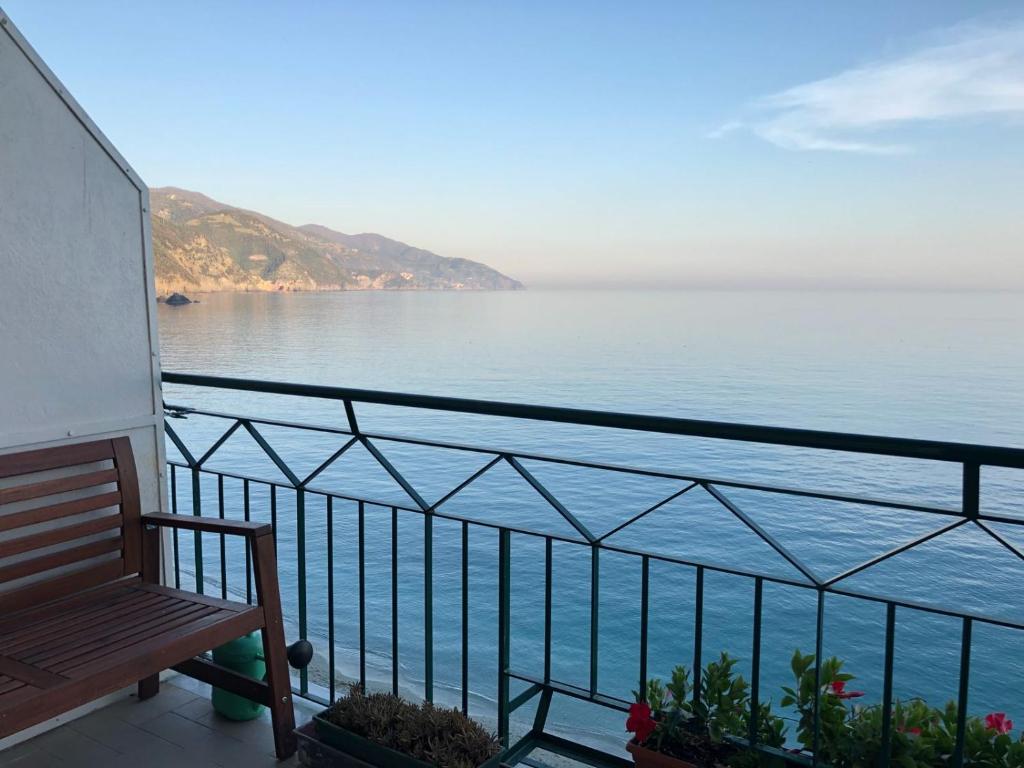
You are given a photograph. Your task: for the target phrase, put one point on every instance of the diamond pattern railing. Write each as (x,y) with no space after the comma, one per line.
(970,457)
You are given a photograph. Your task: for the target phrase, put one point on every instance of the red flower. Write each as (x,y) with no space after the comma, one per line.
(998,722)
(640,721)
(839,689)
(915,731)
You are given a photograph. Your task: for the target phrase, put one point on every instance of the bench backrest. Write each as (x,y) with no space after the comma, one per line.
(69,520)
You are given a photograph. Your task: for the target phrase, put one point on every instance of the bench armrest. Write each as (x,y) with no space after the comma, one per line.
(208,524)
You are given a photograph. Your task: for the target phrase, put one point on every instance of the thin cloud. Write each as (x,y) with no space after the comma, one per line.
(970,71)
(725,128)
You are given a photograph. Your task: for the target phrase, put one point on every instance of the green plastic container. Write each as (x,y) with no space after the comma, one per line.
(245,656)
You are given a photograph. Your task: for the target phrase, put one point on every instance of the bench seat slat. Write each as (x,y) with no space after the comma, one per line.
(140,634)
(59,635)
(44,619)
(113,638)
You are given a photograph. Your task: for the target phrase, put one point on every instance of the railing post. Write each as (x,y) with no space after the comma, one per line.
(971,489)
(819,631)
(174,536)
(273,515)
(394,600)
(465,617)
(223,543)
(246,514)
(645,574)
(965,685)
(300,545)
(504,608)
(890,644)
(362,595)
(548,558)
(428,606)
(755,663)
(197,510)
(332,683)
(698,631)
(595,606)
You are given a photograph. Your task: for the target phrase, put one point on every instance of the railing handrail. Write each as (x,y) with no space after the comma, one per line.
(934,450)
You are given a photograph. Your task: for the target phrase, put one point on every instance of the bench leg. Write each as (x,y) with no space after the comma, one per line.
(282,714)
(149,687)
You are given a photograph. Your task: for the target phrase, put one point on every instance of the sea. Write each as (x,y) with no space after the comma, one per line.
(946,366)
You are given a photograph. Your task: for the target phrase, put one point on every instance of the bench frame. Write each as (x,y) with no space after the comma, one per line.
(139,561)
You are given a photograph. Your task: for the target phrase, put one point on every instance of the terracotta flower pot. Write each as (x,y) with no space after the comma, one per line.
(649,758)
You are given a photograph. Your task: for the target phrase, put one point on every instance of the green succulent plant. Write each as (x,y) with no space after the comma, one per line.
(436,735)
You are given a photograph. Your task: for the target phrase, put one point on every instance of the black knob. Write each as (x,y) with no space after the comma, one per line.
(300,653)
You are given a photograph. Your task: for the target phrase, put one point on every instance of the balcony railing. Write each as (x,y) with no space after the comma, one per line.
(376,524)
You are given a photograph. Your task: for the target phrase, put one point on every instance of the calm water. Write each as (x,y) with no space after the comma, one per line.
(943,366)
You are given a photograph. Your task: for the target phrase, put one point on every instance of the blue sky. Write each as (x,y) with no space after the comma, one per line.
(807,144)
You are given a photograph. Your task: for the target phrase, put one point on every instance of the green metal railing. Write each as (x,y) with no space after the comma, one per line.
(970,458)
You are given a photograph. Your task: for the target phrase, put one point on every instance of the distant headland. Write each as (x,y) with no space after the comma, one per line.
(202,245)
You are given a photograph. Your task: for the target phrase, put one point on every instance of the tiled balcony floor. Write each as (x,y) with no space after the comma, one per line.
(178,727)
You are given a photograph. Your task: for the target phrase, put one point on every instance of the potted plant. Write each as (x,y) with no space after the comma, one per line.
(673,729)
(381,729)
(921,736)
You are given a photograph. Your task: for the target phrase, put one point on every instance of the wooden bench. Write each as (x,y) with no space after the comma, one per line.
(82,611)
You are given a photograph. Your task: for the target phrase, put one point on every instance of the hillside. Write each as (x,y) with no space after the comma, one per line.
(200,244)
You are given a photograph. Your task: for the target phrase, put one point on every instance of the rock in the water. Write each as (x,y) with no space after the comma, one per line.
(177,299)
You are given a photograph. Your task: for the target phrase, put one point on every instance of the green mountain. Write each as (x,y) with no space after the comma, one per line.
(200,244)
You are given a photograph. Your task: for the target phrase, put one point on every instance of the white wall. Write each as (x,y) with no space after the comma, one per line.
(79,356)
(78,345)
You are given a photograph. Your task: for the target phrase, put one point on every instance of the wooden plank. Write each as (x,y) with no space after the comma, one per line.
(26,462)
(53,631)
(190,632)
(117,644)
(57,511)
(131,509)
(216,602)
(58,535)
(216,675)
(16,623)
(57,485)
(40,678)
(8,688)
(70,632)
(44,591)
(57,559)
(107,635)
(208,524)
